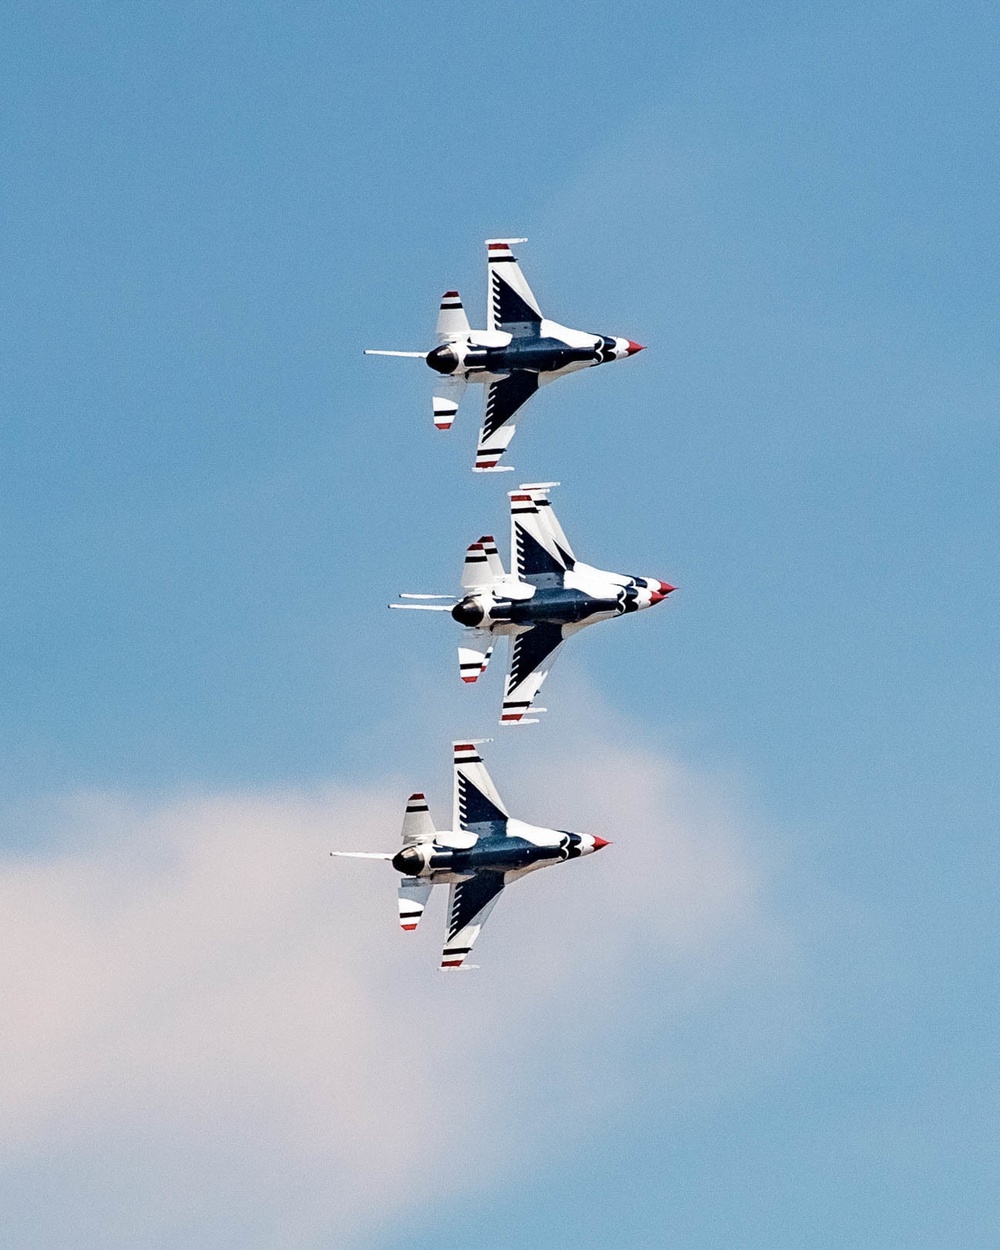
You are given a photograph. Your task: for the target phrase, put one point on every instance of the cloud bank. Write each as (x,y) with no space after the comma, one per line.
(215,1035)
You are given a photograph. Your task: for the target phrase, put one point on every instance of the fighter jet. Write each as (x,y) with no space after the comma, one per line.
(484,851)
(547,597)
(519,351)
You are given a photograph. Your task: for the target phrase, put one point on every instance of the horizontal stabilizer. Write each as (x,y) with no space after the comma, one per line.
(417,823)
(446,403)
(413,896)
(472,663)
(452,322)
(445,411)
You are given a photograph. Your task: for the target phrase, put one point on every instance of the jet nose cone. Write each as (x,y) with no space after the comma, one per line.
(665,589)
(599,842)
(633,348)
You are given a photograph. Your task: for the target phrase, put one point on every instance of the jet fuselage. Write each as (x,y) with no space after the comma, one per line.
(529,848)
(600,597)
(545,347)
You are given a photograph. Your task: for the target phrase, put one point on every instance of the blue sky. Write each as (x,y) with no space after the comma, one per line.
(209,495)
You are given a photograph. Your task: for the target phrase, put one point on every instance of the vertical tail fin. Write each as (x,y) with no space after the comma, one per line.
(452,323)
(482,565)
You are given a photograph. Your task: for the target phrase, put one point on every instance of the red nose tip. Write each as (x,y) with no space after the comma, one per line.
(599,842)
(665,589)
(633,348)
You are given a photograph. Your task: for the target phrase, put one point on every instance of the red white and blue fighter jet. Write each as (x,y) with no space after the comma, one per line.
(519,351)
(547,597)
(484,851)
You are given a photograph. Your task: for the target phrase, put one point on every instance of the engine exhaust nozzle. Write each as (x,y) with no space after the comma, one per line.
(443,359)
(468,612)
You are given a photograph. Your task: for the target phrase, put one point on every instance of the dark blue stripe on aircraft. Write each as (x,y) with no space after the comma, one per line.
(471,897)
(511,313)
(476,813)
(531,649)
(534,563)
(504,398)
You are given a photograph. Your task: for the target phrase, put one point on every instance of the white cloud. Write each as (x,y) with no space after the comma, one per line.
(212,1032)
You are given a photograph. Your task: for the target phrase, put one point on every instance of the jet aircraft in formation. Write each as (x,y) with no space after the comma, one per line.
(547,597)
(483,852)
(519,351)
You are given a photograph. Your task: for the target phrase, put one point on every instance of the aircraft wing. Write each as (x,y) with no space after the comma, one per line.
(532,655)
(540,553)
(469,905)
(549,527)
(510,303)
(477,808)
(503,399)
(505,396)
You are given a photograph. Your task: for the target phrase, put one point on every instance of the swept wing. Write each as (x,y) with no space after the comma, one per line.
(469,905)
